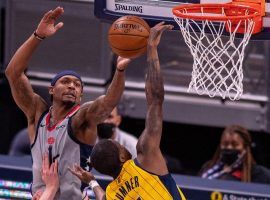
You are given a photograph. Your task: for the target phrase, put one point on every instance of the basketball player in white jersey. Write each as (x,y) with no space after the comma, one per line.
(66,130)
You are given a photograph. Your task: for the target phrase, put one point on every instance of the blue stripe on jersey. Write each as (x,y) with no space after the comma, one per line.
(85,151)
(38,124)
(170,184)
(167,180)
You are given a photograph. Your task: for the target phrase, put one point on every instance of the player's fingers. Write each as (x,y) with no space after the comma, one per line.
(57,12)
(46,161)
(73,170)
(160,23)
(166,27)
(47,14)
(55,170)
(52,167)
(70,169)
(80,168)
(59,25)
(170,27)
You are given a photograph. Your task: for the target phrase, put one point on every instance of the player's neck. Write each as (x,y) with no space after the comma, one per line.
(58,113)
(117,172)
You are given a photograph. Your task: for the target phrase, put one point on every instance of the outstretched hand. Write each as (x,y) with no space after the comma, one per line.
(49,174)
(122,63)
(83,175)
(156,32)
(47,25)
(37,195)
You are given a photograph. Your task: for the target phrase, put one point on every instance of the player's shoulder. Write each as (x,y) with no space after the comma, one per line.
(86,104)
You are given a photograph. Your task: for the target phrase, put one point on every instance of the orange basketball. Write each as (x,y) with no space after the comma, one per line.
(128,36)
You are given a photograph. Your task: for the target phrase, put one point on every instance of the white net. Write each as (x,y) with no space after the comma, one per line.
(217,66)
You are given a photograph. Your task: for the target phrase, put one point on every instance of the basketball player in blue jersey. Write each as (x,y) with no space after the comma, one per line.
(146,177)
(66,130)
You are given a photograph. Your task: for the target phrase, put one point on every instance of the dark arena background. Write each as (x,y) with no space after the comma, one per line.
(192,124)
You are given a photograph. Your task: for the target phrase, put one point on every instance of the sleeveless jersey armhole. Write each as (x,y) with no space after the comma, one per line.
(38,124)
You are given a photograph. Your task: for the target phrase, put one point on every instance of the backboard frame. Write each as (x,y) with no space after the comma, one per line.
(110,10)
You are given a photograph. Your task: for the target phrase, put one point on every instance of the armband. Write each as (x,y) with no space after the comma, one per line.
(93,184)
(38,37)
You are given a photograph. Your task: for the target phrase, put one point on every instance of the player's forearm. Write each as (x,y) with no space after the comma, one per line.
(99,193)
(152,54)
(19,61)
(93,184)
(154,80)
(115,89)
(154,93)
(153,122)
(48,194)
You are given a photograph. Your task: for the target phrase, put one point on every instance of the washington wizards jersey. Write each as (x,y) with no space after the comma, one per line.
(59,142)
(135,183)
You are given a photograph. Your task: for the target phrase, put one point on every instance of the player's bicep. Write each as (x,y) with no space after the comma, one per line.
(24,95)
(150,156)
(100,109)
(147,144)
(93,112)
(149,141)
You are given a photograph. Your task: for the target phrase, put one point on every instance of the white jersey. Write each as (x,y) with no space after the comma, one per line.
(127,140)
(60,143)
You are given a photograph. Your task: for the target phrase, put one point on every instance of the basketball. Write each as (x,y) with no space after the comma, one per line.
(128,36)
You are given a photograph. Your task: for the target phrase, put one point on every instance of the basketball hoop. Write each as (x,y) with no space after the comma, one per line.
(217,66)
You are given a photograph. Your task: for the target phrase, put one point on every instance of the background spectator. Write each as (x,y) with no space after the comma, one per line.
(233,159)
(110,129)
(20,145)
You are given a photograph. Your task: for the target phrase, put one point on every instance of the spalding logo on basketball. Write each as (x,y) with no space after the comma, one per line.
(126,28)
(128,36)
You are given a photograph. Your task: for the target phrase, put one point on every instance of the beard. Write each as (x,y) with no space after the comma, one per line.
(69,103)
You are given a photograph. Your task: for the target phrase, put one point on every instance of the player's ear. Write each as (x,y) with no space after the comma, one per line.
(118,120)
(81,97)
(122,156)
(118,117)
(51,90)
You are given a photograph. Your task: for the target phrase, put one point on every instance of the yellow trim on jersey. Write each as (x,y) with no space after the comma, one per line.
(181,194)
(135,183)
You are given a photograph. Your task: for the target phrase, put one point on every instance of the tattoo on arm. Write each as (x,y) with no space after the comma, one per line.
(24,95)
(154,90)
(154,80)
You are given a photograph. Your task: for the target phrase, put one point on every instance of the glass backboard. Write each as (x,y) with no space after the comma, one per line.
(154,11)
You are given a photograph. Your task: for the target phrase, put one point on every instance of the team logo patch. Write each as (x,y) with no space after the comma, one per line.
(51,140)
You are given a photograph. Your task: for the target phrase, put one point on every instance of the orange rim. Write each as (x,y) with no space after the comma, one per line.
(232,11)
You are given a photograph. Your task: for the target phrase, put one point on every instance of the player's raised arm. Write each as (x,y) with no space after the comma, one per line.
(148,146)
(93,113)
(21,89)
